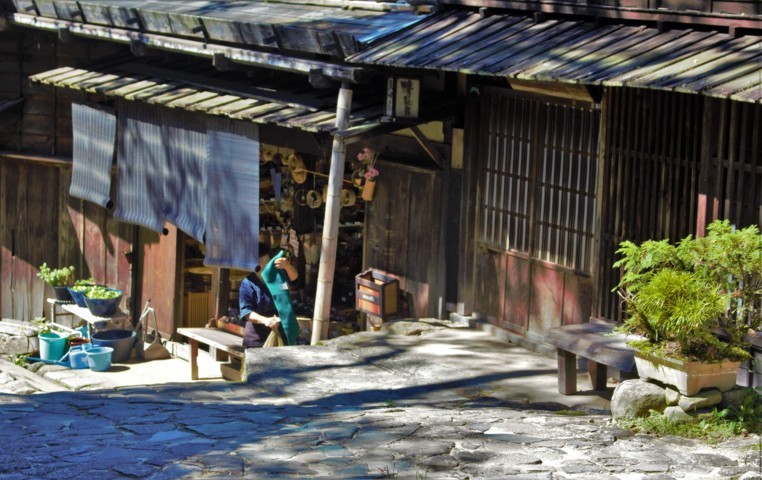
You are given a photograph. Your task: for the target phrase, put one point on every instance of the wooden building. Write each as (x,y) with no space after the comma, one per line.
(278,66)
(547,132)
(587,123)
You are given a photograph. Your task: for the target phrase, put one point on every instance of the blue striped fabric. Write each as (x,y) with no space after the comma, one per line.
(141,159)
(94,135)
(185,171)
(232,220)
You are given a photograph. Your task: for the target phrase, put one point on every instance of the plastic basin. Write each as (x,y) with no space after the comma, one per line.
(52,346)
(121,341)
(99,358)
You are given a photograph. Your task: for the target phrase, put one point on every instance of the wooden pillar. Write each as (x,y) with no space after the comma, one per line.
(327,266)
(220,291)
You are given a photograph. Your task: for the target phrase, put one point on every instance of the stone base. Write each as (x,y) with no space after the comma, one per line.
(688,377)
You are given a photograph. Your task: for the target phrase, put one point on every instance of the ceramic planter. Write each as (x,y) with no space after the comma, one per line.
(688,377)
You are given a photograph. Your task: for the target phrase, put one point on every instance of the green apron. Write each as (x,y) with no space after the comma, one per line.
(277,282)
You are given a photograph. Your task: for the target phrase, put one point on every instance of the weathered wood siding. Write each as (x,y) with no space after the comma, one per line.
(404,234)
(673,163)
(39,222)
(161,264)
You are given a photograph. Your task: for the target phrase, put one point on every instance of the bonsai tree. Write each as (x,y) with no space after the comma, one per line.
(698,299)
(58,277)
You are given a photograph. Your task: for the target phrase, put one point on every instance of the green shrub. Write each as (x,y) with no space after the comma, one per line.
(681,296)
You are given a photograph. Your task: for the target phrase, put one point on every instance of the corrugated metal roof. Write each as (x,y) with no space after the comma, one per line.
(574,51)
(309,110)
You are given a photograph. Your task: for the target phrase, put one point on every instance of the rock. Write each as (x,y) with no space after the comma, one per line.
(5,378)
(677,415)
(672,396)
(714,460)
(703,399)
(751,476)
(735,396)
(18,387)
(636,398)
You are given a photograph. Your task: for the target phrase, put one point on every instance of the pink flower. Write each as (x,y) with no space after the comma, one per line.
(371,173)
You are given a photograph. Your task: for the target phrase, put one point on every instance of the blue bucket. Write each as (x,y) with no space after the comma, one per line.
(78,356)
(52,346)
(99,358)
(121,341)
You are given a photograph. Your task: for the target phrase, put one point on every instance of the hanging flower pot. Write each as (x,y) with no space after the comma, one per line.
(368,189)
(358,177)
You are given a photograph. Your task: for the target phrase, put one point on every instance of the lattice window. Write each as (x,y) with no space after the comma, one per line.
(539,178)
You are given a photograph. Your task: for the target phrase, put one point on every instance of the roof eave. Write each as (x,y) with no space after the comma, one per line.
(336,71)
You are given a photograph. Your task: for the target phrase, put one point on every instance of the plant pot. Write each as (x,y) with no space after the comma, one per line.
(358,177)
(103,307)
(688,377)
(52,346)
(121,341)
(368,189)
(62,294)
(78,297)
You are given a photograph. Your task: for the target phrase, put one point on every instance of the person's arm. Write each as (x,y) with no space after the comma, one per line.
(284,264)
(248,301)
(269,322)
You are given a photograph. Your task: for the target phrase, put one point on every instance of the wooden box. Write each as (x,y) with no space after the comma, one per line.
(377,293)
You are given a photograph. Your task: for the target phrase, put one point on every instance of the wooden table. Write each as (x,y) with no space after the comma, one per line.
(218,339)
(596,342)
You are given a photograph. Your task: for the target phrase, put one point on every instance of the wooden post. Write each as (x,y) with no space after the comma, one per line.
(327,266)
(220,291)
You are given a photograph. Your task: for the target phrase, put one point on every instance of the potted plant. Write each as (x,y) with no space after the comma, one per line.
(102,301)
(59,279)
(79,289)
(366,170)
(695,303)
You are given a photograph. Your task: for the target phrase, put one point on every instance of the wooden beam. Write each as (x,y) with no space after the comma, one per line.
(40,160)
(427,146)
(619,13)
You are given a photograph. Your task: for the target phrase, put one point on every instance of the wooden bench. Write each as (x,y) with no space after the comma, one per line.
(218,340)
(595,342)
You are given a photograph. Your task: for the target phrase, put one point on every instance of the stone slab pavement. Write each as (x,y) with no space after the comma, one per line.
(420,400)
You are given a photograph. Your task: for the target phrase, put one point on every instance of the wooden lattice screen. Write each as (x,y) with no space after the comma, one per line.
(673,163)
(539,180)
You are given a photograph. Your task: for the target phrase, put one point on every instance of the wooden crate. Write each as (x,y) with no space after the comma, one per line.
(377,293)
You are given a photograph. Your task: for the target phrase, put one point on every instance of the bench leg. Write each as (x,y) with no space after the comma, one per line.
(597,374)
(194,359)
(628,375)
(567,372)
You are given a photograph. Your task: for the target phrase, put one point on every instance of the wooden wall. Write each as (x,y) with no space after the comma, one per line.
(39,222)
(672,164)
(404,234)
